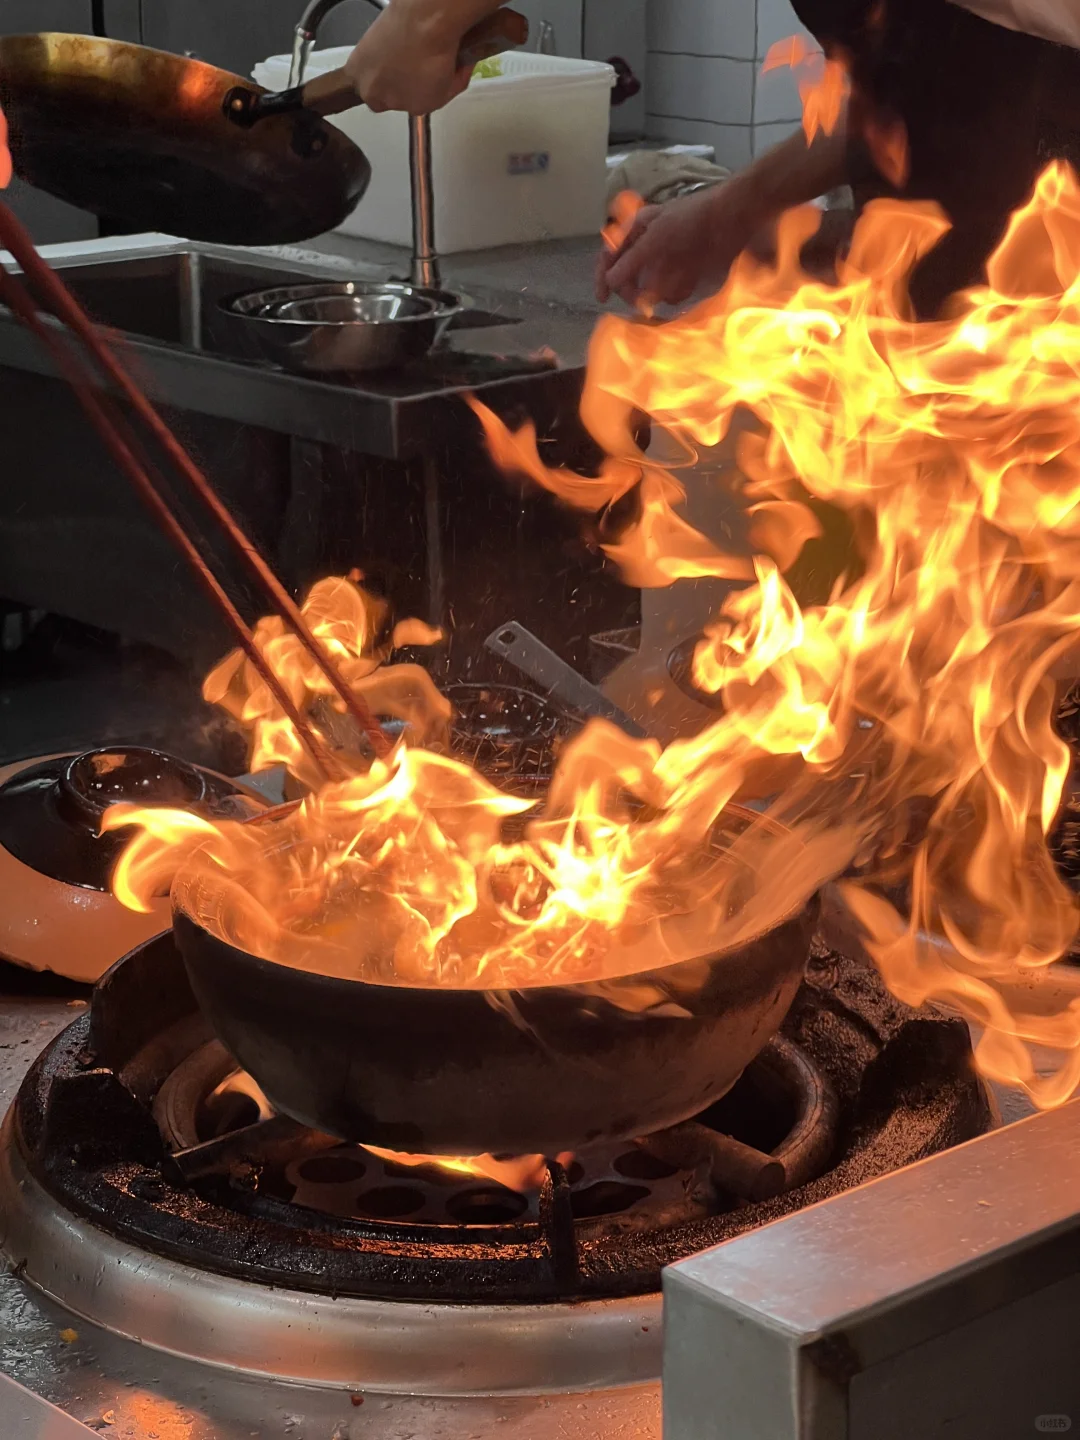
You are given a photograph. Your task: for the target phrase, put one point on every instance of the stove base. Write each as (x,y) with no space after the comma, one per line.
(92,1375)
(344,1342)
(233,1272)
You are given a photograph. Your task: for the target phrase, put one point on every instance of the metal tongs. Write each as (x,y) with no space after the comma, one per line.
(86,361)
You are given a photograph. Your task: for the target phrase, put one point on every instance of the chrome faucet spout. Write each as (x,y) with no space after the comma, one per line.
(307,31)
(424,269)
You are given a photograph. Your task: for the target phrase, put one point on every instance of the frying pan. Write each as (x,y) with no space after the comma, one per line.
(165,143)
(467,1071)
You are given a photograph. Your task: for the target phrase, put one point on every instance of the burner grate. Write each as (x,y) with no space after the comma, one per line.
(216,1124)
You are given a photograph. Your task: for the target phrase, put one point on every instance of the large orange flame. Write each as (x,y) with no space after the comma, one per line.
(350,624)
(824,83)
(902,728)
(6,168)
(920,697)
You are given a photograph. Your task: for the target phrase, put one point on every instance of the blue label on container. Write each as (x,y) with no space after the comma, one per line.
(530,162)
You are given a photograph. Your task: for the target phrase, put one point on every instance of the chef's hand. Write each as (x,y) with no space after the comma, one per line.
(673,249)
(408,58)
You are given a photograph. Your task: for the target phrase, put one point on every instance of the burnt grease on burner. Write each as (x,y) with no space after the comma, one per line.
(265,1203)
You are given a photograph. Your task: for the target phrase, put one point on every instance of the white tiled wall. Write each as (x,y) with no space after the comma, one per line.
(705,83)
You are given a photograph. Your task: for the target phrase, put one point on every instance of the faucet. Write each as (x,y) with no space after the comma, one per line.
(424,267)
(545,38)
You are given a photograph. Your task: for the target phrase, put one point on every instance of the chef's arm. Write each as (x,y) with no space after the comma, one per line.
(675,249)
(792,173)
(408,58)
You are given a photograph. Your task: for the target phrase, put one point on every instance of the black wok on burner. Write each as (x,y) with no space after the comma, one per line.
(462,1072)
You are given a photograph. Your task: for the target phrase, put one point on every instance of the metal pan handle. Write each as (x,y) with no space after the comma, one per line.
(561,681)
(333,92)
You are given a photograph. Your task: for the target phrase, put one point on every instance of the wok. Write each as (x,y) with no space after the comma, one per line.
(143,136)
(162,142)
(467,1071)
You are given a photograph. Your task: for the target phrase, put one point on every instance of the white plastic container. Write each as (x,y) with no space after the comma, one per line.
(517,158)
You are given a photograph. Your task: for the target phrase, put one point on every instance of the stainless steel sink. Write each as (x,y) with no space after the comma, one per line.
(173,296)
(163,296)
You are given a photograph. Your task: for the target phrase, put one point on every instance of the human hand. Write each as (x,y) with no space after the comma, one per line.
(673,249)
(408,60)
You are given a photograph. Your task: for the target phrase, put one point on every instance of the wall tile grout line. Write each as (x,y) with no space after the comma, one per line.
(720,124)
(707,55)
(700,51)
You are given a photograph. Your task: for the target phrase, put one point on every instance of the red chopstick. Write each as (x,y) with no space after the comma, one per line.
(130,455)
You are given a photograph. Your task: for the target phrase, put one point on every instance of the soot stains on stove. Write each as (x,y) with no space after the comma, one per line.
(136,1120)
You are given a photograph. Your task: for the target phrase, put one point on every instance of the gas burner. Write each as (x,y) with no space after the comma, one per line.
(217,1125)
(139,1161)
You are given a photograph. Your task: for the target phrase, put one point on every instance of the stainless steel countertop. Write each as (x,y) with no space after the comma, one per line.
(559,272)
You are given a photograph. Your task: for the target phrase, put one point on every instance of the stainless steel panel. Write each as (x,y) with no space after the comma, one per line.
(122,20)
(940,1301)
(24,1416)
(239,34)
(19,17)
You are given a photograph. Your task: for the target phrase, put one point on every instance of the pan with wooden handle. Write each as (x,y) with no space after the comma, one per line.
(157,141)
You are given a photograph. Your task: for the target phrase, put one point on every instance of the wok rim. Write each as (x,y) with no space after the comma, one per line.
(186,877)
(40,44)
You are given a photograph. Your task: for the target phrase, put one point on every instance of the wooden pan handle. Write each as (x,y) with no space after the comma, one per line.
(329,94)
(505,30)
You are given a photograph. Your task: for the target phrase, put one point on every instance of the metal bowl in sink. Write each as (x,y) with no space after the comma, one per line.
(330,300)
(333,326)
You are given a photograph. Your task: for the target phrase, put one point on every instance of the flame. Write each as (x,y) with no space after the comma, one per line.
(901,729)
(516,1172)
(624,211)
(824,83)
(919,699)
(350,624)
(6,168)
(887,141)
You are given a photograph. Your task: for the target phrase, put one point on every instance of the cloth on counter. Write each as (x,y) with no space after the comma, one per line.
(657,175)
